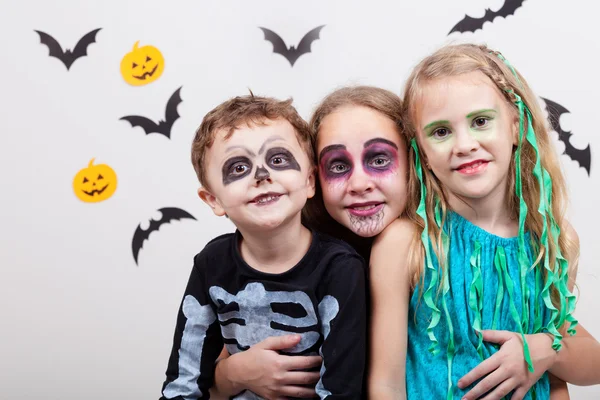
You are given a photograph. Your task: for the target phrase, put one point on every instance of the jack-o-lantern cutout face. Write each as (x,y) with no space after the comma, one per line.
(142,65)
(95,183)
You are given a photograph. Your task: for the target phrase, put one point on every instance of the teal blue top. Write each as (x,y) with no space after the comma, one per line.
(485,292)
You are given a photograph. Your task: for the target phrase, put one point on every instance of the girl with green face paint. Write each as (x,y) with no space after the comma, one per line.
(492,258)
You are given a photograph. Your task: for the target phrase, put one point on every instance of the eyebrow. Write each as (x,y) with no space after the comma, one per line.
(380,140)
(269,140)
(329,148)
(480,111)
(440,122)
(247,150)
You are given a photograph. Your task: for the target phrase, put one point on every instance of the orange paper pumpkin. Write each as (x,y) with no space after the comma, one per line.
(95,183)
(142,65)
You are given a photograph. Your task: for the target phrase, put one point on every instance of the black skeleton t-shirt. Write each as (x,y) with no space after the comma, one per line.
(228,302)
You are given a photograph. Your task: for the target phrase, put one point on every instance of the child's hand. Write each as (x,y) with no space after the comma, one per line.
(270,375)
(507,370)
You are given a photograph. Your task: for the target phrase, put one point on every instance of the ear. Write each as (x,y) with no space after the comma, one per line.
(310,183)
(212,201)
(515,131)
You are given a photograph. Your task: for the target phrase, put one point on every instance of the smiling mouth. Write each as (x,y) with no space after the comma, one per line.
(95,191)
(472,167)
(146,74)
(365,209)
(266,199)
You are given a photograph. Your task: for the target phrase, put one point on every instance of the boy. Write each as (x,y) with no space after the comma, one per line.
(273,276)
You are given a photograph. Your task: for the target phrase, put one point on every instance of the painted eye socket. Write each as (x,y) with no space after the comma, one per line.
(338,167)
(379,162)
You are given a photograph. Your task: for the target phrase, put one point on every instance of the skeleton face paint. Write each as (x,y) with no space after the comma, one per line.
(260,176)
(362,169)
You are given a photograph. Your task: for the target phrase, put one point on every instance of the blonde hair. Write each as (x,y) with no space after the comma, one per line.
(453,60)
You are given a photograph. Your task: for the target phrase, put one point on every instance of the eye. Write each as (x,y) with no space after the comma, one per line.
(85,180)
(480,122)
(279,160)
(239,169)
(148,59)
(100,177)
(338,167)
(379,162)
(133,65)
(441,133)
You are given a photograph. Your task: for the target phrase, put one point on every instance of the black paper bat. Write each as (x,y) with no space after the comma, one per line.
(292,54)
(470,24)
(68,57)
(168,214)
(584,156)
(163,127)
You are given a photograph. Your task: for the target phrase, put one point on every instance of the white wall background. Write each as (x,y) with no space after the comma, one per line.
(78,318)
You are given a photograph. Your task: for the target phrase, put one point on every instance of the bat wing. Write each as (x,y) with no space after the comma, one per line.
(582,156)
(168,214)
(279,46)
(509,8)
(80,49)
(470,24)
(147,125)
(171,114)
(306,42)
(53,45)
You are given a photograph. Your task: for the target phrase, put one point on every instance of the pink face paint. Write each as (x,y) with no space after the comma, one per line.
(335,163)
(380,157)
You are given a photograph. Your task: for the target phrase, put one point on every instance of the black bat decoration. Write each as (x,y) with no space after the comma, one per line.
(163,127)
(470,24)
(68,57)
(292,54)
(583,156)
(168,214)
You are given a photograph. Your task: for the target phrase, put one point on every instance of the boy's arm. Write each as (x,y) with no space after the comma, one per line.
(343,314)
(197,343)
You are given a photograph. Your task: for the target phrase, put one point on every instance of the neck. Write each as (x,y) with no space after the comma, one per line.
(277,250)
(489,213)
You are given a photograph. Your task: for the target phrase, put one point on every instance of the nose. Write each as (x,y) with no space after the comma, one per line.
(465,143)
(262,174)
(360,182)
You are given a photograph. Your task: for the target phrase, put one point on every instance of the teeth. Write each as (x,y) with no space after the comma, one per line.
(365,207)
(266,199)
(473,166)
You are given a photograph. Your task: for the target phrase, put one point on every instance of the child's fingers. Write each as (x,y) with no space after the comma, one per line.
(301,378)
(297,363)
(279,342)
(519,394)
(499,337)
(484,368)
(487,384)
(298,391)
(502,390)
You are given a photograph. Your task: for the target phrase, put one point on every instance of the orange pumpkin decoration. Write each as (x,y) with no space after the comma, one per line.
(142,65)
(95,183)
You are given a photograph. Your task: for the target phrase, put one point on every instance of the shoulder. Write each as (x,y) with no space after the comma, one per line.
(396,236)
(216,248)
(391,250)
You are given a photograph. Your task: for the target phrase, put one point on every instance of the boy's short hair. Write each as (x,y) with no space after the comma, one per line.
(249,110)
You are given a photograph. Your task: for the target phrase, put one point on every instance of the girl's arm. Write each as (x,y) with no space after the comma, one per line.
(262,370)
(390,290)
(558,389)
(578,362)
